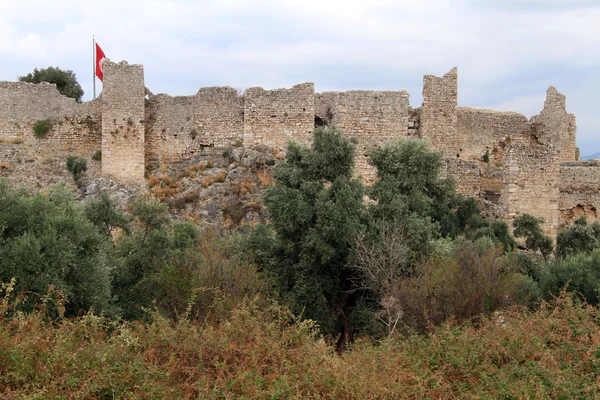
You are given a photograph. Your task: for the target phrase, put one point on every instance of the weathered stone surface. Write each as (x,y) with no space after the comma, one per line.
(511,164)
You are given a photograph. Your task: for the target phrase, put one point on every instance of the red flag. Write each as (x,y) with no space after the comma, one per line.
(100,57)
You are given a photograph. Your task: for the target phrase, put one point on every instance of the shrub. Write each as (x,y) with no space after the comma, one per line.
(97,156)
(579,274)
(46,241)
(238,143)
(41,128)
(471,282)
(76,166)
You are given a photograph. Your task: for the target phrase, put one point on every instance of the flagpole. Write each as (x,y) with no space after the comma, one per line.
(94,66)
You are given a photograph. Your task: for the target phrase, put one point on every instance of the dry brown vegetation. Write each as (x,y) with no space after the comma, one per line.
(261,351)
(12,140)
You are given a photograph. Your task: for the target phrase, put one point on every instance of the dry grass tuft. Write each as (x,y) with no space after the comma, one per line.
(4,165)
(265,178)
(12,140)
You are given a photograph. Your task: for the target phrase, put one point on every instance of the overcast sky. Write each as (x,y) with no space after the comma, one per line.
(507,51)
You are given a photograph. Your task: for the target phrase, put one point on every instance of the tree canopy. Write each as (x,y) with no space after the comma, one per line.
(65,81)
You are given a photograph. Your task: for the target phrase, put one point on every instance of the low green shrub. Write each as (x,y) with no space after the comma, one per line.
(41,128)
(76,166)
(97,156)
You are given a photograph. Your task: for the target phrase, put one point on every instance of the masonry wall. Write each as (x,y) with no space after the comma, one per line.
(484,129)
(373,118)
(273,117)
(439,114)
(73,125)
(579,191)
(533,167)
(123,121)
(169,126)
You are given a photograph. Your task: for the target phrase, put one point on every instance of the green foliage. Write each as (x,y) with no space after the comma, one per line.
(41,128)
(578,238)
(579,274)
(467,283)
(65,81)
(486,157)
(497,231)
(97,156)
(76,166)
(46,240)
(315,206)
(528,227)
(103,213)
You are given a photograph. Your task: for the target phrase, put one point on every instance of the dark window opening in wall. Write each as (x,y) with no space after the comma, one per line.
(320,121)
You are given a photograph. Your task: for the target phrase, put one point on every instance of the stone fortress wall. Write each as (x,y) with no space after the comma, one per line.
(512,164)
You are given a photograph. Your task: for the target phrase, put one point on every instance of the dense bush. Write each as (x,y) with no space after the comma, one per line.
(41,128)
(76,166)
(580,274)
(47,241)
(580,237)
(97,156)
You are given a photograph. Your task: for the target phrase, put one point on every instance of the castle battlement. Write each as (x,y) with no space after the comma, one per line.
(512,164)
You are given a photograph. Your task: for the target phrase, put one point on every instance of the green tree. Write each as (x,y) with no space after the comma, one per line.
(45,239)
(315,207)
(103,213)
(528,227)
(65,80)
(580,237)
(579,273)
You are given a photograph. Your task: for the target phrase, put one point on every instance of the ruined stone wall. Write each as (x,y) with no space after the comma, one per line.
(170,123)
(579,191)
(22,104)
(273,117)
(183,125)
(123,121)
(373,118)
(324,106)
(439,114)
(484,129)
(219,116)
(533,167)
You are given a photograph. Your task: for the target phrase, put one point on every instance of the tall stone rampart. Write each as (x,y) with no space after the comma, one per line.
(533,160)
(183,125)
(123,121)
(511,164)
(579,191)
(484,129)
(439,113)
(73,124)
(373,118)
(274,117)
